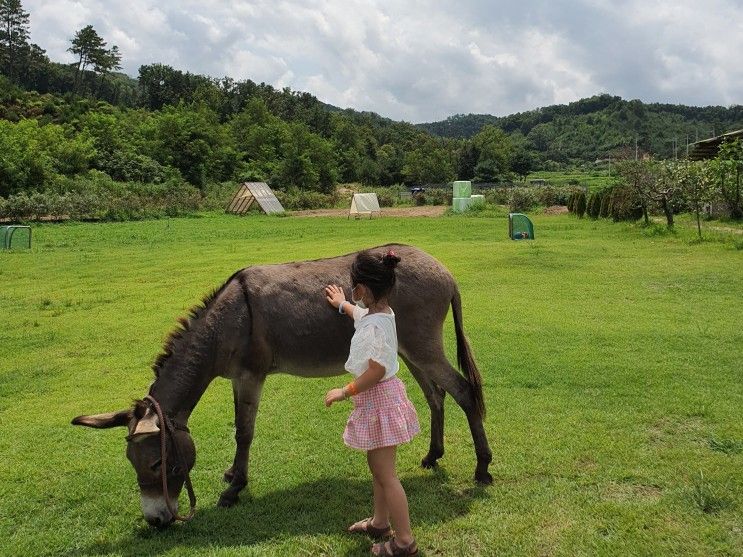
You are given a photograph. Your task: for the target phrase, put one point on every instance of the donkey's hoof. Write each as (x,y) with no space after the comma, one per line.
(429,462)
(484,478)
(227,501)
(228,475)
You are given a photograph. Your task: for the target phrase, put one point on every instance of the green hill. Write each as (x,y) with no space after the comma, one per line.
(595,127)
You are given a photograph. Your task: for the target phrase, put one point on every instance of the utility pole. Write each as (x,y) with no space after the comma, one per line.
(635,147)
(687,145)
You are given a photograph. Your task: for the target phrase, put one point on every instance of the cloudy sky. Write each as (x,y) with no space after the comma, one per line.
(424,60)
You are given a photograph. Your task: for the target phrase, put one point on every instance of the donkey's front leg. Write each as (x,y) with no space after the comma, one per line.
(247,393)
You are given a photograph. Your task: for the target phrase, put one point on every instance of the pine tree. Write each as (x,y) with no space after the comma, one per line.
(14,33)
(89,47)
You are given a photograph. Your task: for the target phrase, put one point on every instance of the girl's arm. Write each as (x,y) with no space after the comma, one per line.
(364,382)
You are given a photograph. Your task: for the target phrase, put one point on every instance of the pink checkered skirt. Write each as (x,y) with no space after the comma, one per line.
(381,417)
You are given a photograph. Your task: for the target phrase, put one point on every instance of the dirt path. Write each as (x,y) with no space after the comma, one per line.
(422,211)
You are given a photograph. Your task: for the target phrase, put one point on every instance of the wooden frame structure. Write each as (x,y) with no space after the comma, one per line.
(250,192)
(364,203)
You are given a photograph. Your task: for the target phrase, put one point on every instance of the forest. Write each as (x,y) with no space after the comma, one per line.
(87,134)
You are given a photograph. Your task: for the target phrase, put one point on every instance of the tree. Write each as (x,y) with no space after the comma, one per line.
(429,163)
(665,188)
(641,176)
(725,170)
(697,187)
(90,49)
(107,60)
(495,150)
(468,156)
(13,36)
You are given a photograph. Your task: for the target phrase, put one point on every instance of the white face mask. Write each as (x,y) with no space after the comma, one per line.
(359,302)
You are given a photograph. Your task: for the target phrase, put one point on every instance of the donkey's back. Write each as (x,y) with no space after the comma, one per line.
(305,335)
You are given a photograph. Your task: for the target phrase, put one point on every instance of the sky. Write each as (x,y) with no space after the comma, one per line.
(425,60)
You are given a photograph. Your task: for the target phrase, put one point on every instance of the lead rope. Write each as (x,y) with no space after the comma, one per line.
(164,467)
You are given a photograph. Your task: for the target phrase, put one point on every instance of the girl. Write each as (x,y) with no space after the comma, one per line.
(383,417)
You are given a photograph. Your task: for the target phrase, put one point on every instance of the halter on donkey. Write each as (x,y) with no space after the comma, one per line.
(274,319)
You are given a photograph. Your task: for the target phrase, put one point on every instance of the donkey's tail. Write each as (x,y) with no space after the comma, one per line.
(464,355)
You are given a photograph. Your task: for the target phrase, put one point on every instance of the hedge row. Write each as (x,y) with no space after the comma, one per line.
(97,197)
(618,202)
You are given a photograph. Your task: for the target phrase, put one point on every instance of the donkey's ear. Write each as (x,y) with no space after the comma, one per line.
(146,425)
(104,421)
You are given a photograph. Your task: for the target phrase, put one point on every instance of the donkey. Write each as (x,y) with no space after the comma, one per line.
(274,318)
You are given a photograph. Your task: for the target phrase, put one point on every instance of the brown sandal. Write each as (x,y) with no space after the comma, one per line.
(365,527)
(395,550)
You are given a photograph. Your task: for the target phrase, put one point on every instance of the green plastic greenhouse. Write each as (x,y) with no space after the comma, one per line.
(520,227)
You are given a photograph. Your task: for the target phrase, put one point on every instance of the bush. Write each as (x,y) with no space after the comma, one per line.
(605,203)
(298,200)
(594,205)
(563,194)
(522,200)
(571,202)
(419,198)
(580,204)
(625,204)
(498,196)
(439,196)
(99,198)
(386,199)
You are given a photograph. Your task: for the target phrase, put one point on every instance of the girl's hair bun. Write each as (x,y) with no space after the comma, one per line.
(390,259)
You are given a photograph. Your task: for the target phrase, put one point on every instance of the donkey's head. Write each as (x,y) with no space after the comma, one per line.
(145,451)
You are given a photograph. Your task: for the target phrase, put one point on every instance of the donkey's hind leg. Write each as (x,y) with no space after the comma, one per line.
(435,398)
(247,393)
(432,361)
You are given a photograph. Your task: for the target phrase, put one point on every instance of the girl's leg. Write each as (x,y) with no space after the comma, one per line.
(382,465)
(381,516)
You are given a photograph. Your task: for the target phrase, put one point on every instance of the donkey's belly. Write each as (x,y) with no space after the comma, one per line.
(309,368)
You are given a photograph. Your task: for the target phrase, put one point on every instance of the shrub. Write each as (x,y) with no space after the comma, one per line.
(522,200)
(562,195)
(439,197)
(545,195)
(498,196)
(580,205)
(420,198)
(571,202)
(99,199)
(594,205)
(625,204)
(605,203)
(298,200)
(386,199)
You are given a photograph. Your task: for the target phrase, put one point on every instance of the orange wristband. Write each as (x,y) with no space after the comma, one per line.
(351,389)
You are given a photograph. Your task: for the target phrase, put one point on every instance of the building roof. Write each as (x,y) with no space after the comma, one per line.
(708,148)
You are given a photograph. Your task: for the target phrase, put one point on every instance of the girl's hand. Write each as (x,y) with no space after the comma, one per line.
(334,294)
(334,395)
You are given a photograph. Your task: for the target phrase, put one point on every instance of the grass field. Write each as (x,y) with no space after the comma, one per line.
(611,357)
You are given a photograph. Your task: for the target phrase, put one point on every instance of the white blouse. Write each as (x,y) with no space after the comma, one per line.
(375,339)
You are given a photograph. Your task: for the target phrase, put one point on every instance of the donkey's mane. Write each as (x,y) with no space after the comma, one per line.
(184,326)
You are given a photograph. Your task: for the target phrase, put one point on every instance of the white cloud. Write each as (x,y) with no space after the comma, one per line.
(423,60)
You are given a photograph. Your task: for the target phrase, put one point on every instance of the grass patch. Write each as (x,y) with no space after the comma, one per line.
(709,497)
(727,446)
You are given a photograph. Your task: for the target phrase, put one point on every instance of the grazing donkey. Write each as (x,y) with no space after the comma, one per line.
(272,319)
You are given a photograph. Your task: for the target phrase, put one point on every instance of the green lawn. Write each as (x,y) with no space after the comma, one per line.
(611,357)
